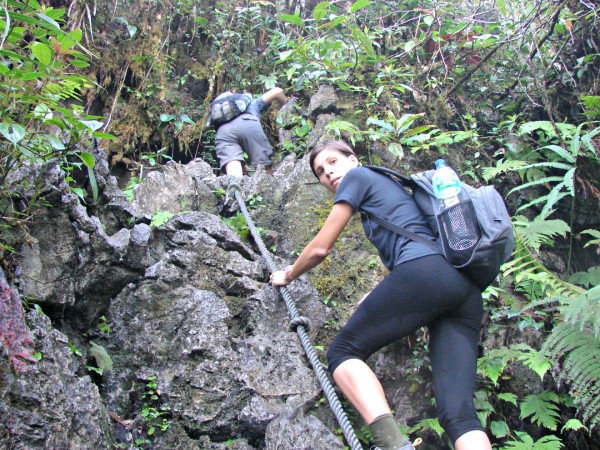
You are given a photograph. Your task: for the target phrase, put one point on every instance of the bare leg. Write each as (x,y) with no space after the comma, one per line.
(360,385)
(473,440)
(234,168)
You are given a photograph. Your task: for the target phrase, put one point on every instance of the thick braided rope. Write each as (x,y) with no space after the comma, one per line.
(334,402)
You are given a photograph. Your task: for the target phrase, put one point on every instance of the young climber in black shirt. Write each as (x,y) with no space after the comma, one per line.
(422,289)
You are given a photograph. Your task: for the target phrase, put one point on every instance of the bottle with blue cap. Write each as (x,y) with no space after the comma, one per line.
(446,187)
(453,208)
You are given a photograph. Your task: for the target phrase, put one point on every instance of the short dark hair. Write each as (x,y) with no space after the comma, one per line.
(339,146)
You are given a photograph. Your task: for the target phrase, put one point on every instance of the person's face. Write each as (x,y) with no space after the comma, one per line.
(331,166)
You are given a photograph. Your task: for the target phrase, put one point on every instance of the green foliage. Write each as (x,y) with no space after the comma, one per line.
(530,275)
(155,158)
(301,129)
(345,127)
(38,62)
(495,361)
(579,349)
(238,224)
(103,325)
(587,279)
(428,424)
(573,424)
(159,218)
(542,408)
(592,105)
(155,417)
(593,233)
(539,231)
(104,362)
(527,443)
(131,184)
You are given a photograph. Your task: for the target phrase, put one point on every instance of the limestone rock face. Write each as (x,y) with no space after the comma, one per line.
(47,404)
(166,333)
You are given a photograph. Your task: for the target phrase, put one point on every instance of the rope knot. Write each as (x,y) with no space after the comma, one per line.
(296,322)
(233,183)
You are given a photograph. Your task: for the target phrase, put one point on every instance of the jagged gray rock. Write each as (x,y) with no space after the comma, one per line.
(199,342)
(48,405)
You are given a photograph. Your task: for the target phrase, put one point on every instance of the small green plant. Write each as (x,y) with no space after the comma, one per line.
(332,325)
(255,201)
(328,301)
(155,418)
(103,326)
(74,350)
(155,158)
(301,129)
(159,218)
(131,184)
(238,224)
(220,193)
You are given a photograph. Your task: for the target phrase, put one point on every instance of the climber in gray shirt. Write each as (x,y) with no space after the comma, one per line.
(422,289)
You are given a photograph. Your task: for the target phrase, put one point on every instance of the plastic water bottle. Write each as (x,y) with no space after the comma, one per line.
(446,187)
(457,222)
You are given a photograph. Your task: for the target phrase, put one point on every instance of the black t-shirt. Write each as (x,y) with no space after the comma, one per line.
(380,195)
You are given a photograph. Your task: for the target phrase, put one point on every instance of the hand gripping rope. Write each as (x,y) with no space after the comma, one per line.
(302,325)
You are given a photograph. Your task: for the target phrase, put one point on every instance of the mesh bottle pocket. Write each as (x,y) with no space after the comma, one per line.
(459,232)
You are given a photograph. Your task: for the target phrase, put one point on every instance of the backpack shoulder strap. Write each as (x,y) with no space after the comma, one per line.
(402,231)
(405,181)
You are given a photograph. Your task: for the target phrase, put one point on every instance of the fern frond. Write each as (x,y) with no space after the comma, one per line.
(574,343)
(551,164)
(553,198)
(524,260)
(565,128)
(593,233)
(584,309)
(579,348)
(502,166)
(565,154)
(543,409)
(534,202)
(587,141)
(535,182)
(533,234)
(544,125)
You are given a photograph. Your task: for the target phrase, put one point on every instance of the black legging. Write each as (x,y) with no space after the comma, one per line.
(425,291)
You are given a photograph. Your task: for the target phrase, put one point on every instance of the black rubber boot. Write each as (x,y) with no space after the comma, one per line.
(387,435)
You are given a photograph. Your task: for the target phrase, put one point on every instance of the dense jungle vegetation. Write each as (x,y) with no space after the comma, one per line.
(508,92)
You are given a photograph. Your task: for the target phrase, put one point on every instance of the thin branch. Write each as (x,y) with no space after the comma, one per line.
(467,75)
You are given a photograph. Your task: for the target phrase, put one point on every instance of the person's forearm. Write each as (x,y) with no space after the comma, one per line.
(309,258)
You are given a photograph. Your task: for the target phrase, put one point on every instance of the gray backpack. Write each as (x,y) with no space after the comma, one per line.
(227,106)
(484,214)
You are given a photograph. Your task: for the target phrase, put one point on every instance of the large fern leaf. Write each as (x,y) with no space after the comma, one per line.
(577,349)
(574,344)
(536,232)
